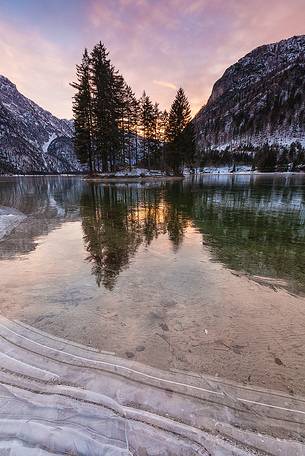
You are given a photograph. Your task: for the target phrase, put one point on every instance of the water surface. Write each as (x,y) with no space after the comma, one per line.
(205,275)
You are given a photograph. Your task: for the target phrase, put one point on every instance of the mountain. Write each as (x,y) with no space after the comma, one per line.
(32,140)
(258,100)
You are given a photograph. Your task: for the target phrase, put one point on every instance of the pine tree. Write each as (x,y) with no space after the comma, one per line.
(147,127)
(155,144)
(163,125)
(188,145)
(266,158)
(82,110)
(134,128)
(106,89)
(118,109)
(128,124)
(109,119)
(177,142)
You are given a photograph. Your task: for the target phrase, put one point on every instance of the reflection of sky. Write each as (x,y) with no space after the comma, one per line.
(158,45)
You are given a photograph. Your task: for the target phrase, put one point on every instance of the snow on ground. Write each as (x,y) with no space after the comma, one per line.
(227,169)
(246,143)
(140,172)
(9,219)
(242,169)
(135,172)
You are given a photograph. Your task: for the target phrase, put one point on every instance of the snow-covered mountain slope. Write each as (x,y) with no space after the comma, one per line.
(32,140)
(259,99)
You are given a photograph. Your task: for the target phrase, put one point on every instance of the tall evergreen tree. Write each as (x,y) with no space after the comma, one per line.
(155,143)
(147,127)
(82,110)
(188,144)
(134,129)
(163,125)
(177,141)
(106,89)
(118,117)
(265,158)
(128,125)
(110,122)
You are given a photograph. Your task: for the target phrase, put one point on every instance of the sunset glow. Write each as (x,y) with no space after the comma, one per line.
(157,45)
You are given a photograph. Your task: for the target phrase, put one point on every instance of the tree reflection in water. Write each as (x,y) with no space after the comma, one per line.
(116,220)
(252,225)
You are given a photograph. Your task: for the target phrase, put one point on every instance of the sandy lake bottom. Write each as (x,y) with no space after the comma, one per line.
(199,277)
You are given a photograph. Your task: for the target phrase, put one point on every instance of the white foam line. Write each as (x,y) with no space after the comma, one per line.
(262,404)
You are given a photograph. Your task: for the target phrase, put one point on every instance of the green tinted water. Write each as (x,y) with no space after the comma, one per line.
(252,224)
(205,275)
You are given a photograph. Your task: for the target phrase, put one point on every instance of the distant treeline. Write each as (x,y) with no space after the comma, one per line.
(114,130)
(265,158)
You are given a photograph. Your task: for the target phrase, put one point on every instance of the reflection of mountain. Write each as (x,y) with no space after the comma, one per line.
(118,219)
(254,225)
(46,201)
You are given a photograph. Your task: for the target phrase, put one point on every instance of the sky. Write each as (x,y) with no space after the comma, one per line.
(158,45)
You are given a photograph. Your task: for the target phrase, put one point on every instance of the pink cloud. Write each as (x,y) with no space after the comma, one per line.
(182,43)
(38,68)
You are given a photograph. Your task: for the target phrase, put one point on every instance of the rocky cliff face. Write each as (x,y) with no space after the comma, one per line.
(259,99)
(32,140)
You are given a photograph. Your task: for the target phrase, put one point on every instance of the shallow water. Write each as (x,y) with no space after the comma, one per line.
(204,275)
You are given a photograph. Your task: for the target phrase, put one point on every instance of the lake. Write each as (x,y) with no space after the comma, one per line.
(204,275)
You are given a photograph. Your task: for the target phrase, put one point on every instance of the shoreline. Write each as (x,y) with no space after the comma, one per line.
(132,179)
(152,178)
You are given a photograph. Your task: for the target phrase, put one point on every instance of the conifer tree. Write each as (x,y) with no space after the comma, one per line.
(189,148)
(109,119)
(177,142)
(134,128)
(106,89)
(266,158)
(82,110)
(155,144)
(163,125)
(147,127)
(118,117)
(128,124)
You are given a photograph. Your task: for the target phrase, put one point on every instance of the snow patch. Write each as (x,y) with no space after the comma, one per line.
(9,219)
(135,172)
(239,169)
(47,143)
